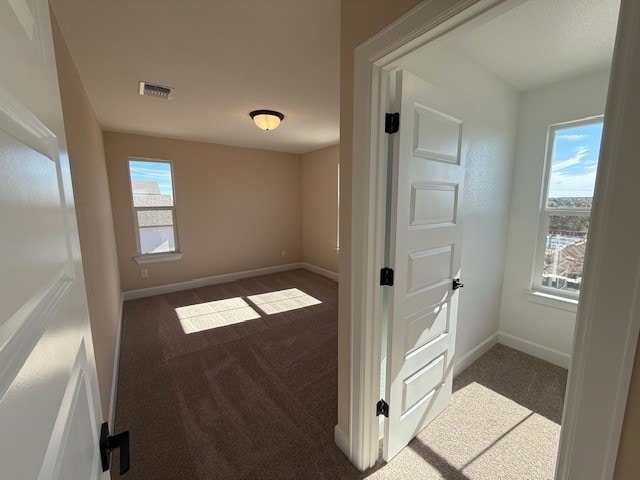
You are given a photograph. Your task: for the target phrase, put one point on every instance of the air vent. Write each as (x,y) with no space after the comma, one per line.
(153,90)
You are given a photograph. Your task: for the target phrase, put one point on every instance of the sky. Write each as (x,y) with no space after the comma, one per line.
(575,161)
(152,171)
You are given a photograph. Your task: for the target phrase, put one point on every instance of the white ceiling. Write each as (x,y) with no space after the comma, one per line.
(545,41)
(224,58)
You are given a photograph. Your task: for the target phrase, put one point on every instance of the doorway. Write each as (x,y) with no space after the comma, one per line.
(383,81)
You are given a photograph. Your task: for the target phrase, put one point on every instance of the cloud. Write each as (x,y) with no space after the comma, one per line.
(591,166)
(571,185)
(577,182)
(581,152)
(571,137)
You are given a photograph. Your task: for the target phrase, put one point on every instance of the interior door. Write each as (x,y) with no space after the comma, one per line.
(424,251)
(49,404)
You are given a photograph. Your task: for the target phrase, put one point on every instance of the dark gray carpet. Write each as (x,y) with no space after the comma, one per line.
(257,399)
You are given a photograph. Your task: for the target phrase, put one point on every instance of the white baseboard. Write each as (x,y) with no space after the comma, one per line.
(206,281)
(551,355)
(116,367)
(320,271)
(342,440)
(474,354)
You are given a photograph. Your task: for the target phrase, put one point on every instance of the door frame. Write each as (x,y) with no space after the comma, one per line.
(599,377)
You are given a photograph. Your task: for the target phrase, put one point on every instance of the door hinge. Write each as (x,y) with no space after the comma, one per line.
(386,277)
(382,408)
(391,122)
(111,442)
(456,284)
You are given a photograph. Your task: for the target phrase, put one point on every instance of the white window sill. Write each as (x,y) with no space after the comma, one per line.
(554,301)
(158,257)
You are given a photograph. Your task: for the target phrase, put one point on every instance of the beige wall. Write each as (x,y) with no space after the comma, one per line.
(93,211)
(319,174)
(236,208)
(359,20)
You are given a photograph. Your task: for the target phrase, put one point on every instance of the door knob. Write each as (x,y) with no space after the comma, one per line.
(457,284)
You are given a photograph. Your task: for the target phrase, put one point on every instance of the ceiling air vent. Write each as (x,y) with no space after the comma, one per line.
(153,90)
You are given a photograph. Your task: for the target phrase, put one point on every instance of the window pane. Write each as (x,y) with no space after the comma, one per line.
(155,218)
(564,252)
(573,166)
(157,240)
(151,183)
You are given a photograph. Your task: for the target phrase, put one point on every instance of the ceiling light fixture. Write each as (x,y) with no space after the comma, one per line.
(266,119)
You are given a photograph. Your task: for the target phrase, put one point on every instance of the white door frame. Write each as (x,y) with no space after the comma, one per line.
(599,380)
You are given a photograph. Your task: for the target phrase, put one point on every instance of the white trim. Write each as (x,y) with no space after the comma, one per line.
(320,271)
(460,365)
(608,319)
(341,439)
(22,331)
(50,467)
(213,280)
(373,60)
(554,301)
(116,368)
(158,257)
(607,315)
(551,355)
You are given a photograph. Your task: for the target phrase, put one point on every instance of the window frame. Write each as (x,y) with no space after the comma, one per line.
(160,256)
(544,212)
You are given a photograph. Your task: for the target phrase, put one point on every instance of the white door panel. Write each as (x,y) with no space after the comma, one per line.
(49,406)
(425,247)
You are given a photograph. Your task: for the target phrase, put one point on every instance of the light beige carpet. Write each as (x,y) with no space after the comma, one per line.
(239,381)
(503,423)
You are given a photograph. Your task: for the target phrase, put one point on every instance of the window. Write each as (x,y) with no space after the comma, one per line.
(571,164)
(154,210)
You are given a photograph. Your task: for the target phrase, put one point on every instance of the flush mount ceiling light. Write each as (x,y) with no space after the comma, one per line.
(266,119)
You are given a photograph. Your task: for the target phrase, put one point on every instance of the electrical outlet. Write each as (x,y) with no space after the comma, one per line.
(284,254)
(144,273)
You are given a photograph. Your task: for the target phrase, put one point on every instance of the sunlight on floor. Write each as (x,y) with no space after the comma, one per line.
(482,435)
(220,313)
(205,316)
(283,301)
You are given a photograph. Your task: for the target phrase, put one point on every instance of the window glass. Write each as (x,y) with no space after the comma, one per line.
(157,240)
(573,166)
(571,181)
(153,205)
(564,252)
(151,184)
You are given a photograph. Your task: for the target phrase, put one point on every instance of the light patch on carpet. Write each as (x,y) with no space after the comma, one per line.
(205,316)
(283,301)
(502,439)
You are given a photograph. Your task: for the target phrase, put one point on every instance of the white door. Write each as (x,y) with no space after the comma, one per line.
(425,243)
(49,404)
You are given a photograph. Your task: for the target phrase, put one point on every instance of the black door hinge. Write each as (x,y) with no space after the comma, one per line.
(111,442)
(386,277)
(382,408)
(456,284)
(391,122)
